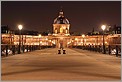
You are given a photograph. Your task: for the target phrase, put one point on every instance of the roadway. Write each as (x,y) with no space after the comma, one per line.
(48,65)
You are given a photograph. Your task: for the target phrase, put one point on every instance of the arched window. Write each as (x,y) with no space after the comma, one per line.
(56,30)
(66,30)
(61,30)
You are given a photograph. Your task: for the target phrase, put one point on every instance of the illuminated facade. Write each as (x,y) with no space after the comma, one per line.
(60,37)
(61,25)
(96,40)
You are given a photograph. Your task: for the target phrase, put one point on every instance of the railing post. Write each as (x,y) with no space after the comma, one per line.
(104,49)
(30,48)
(94,48)
(59,51)
(6,50)
(99,48)
(64,51)
(13,49)
(23,48)
(38,47)
(34,47)
(90,47)
(116,51)
(109,49)
(27,48)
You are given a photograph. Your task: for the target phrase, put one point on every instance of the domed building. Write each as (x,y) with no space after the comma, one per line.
(61,19)
(61,28)
(61,25)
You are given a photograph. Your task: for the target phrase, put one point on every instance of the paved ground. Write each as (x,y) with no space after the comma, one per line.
(47,65)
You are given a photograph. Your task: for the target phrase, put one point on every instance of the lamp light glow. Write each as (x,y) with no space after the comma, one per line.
(103,27)
(20,27)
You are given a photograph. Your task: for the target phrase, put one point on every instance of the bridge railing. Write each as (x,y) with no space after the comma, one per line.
(114,49)
(7,49)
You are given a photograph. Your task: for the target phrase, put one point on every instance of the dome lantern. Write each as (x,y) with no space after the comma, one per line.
(61,13)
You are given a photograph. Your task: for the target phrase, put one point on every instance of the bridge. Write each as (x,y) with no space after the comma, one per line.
(46,64)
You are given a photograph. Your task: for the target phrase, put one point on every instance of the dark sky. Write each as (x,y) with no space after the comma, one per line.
(39,15)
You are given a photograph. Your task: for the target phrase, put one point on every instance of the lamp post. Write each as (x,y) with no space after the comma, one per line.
(83,39)
(39,40)
(103,28)
(20,28)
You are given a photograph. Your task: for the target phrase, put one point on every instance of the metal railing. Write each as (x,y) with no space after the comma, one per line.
(7,49)
(114,49)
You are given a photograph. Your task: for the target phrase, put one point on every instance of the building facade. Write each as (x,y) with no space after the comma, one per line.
(61,34)
(60,37)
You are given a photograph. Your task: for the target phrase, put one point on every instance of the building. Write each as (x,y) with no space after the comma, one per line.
(115,30)
(5,29)
(61,36)
(7,35)
(61,26)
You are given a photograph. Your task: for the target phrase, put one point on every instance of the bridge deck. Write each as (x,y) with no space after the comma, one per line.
(46,65)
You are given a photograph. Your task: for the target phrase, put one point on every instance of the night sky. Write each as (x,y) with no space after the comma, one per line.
(39,15)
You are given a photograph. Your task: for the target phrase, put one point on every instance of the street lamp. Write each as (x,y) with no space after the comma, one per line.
(103,28)
(83,39)
(20,28)
(39,39)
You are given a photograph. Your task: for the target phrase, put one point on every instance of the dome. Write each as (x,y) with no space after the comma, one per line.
(61,19)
